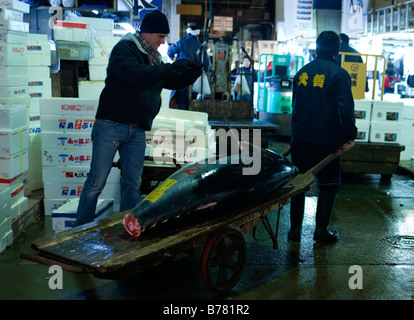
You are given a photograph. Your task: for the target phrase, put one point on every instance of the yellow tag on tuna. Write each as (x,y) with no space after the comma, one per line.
(157,193)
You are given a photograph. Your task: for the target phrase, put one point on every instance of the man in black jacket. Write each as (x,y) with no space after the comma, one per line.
(127,107)
(323,121)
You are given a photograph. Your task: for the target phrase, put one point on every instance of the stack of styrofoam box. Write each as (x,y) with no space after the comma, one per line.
(181,134)
(64,217)
(40,86)
(13,162)
(98,27)
(102,47)
(363,119)
(407,130)
(71,31)
(386,120)
(67,151)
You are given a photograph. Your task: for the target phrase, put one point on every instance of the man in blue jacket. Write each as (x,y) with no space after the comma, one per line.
(323,121)
(127,107)
(187,48)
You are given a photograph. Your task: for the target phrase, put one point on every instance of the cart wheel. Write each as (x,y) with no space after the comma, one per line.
(223,260)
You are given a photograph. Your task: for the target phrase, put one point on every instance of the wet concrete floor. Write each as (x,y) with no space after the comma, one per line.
(373,260)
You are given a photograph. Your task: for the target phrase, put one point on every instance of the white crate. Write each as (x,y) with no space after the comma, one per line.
(66,140)
(14,92)
(13,117)
(56,157)
(16,37)
(69,175)
(12,71)
(57,190)
(363,109)
(64,217)
(385,132)
(97,72)
(15,5)
(69,106)
(56,123)
(36,72)
(90,89)
(12,141)
(387,111)
(11,165)
(7,14)
(363,130)
(13,55)
(13,81)
(14,25)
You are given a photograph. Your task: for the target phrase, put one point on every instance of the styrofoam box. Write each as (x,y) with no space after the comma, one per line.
(36,38)
(8,14)
(71,31)
(13,81)
(39,60)
(66,123)
(97,72)
(12,71)
(40,48)
(6,240)
(12,141)
(16,37)
(15,5)
(38,84)
(5,225)
(5,211)
(14,101)
(179,120)
(52,204)
(12,117)
(102,46)
(37,72)
(69,106)
(385,132)
(165,155)
(5,194)
(75,174)
(56,190)
(66,140)
(19,207)
(14,25)
(14,92)
(95,23)
(172,139)
(90,89)
(363,109)
(64,217)
(387,111)
(13,55)
(12,165)
(65,157)
(363,130)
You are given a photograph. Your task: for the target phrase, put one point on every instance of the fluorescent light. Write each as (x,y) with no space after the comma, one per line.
(95,11)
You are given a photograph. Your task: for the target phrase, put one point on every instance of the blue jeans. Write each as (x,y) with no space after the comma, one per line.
(109,137)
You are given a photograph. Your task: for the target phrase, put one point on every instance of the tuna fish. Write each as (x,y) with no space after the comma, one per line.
(207,189)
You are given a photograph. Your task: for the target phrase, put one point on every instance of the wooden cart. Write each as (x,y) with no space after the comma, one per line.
(106,250)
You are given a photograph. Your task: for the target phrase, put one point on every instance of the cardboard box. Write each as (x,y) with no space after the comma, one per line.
(66,123)
(66,140)
(75,175)
(65,157)
(386,111)
(69,107)
(12,118)
(12,141)
(11,165)
(16,37)
(15,5)
(64,217)
(385,132)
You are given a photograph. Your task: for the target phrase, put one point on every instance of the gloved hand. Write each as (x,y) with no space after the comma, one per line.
(181,65)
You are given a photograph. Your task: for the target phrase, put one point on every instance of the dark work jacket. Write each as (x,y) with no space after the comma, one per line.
(348,58)
(132,92)
(323,106)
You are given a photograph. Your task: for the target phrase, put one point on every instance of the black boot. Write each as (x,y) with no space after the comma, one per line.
(297,209)
(326,201)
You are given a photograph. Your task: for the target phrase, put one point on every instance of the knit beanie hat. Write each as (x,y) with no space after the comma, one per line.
(155,22)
